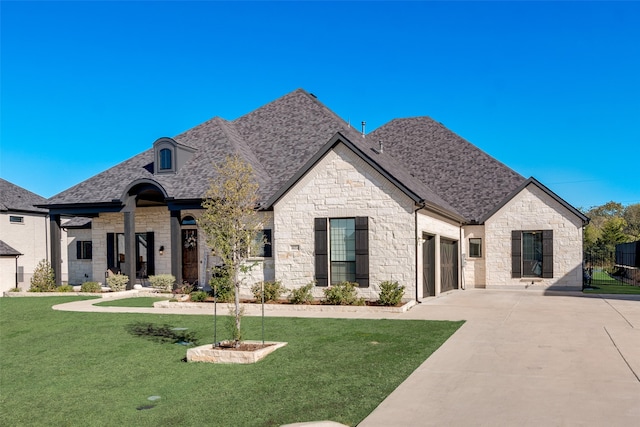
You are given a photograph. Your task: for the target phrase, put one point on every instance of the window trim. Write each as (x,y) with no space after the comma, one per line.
(84,250)
(16,219)
(479,244)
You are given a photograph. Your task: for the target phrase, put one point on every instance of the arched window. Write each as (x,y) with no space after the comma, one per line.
(188,220)
(165,159)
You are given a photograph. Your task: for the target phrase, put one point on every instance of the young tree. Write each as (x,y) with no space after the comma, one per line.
(230,222)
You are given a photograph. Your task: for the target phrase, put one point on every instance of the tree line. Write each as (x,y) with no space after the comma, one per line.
(610,224)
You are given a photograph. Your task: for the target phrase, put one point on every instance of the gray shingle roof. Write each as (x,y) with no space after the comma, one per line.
(14,198)
(465,176)
(281,138)
(6,250)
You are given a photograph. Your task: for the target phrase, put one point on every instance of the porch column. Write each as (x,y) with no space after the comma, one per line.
(129,212)
(56,251)
(176,247)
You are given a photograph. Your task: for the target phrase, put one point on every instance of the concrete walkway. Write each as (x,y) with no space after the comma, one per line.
(523,358)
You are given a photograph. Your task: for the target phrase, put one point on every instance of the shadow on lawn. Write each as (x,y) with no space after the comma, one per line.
(162,333)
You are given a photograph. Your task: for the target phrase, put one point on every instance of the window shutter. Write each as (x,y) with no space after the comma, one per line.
(151,254)
(547,254)
(78,249)
(111,253)
(516,254)
(362,251)
(321,251)
(267,243)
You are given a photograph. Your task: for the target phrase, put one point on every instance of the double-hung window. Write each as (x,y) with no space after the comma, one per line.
(343,250)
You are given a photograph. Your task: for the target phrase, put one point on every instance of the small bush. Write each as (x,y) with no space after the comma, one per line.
(186,288)
(343,293)
(64,288)
(272,291)
(43,279)
(162,282)
(15,290)
(198,296)
(222,286)
(390,293)
(302,295)
(91,287)
(117,282)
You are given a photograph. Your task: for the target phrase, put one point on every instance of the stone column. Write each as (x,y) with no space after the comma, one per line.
(56,251)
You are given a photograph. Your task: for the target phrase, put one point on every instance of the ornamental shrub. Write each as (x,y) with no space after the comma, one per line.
(302,295)
(43,279)
(64,288)
(162,282)
(272,291)
(91,287)
(117,282)
(198,296)
(343,293)
(390,293)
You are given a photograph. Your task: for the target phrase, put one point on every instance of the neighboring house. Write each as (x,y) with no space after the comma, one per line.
(24,236)
(410,202)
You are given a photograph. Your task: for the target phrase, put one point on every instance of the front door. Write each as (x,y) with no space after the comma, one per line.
(190,256)
(448,265)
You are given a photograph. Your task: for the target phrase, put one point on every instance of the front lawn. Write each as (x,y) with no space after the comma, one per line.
(65,368)
(602,283)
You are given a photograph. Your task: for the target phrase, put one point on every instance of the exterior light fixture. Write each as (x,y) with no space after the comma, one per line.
(161,250)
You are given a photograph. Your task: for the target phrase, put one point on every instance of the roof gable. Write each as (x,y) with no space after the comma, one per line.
(15,198)
(525,184)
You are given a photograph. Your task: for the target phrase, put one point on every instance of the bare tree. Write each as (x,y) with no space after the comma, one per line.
(231,223)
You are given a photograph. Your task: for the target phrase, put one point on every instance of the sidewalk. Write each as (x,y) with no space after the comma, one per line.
(523,358)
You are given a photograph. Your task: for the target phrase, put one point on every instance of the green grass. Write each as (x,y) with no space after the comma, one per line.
(132,302)
(602,283)
(66,369)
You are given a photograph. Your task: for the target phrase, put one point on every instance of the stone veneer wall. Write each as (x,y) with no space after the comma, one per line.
(154,219)
(533,209)
(342,185)
(434,225)
(78,267)
(475,272)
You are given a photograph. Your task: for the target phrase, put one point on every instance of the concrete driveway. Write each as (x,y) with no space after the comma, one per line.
(524,358)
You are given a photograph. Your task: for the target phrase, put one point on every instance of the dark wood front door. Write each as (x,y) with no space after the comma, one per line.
(190,256)
(428,266)
(448,265)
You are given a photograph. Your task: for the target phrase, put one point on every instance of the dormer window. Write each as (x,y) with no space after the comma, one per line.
(169,156)
(165,159)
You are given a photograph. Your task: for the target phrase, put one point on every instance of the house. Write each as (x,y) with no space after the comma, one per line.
(410,202)
(24,236)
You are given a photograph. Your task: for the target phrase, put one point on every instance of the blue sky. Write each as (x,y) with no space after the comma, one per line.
(552,89)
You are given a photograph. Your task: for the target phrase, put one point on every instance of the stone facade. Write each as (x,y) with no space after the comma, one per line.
(342,185)
(474,268)
(534,209)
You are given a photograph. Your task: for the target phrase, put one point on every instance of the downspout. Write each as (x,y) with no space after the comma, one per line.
(17,256)
(420,205)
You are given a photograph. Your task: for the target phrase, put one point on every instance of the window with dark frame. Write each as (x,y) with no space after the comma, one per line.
(532,258)
(14,219)
(342,238)
(532,254)
(165,159)
(475,247)
(84,249)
